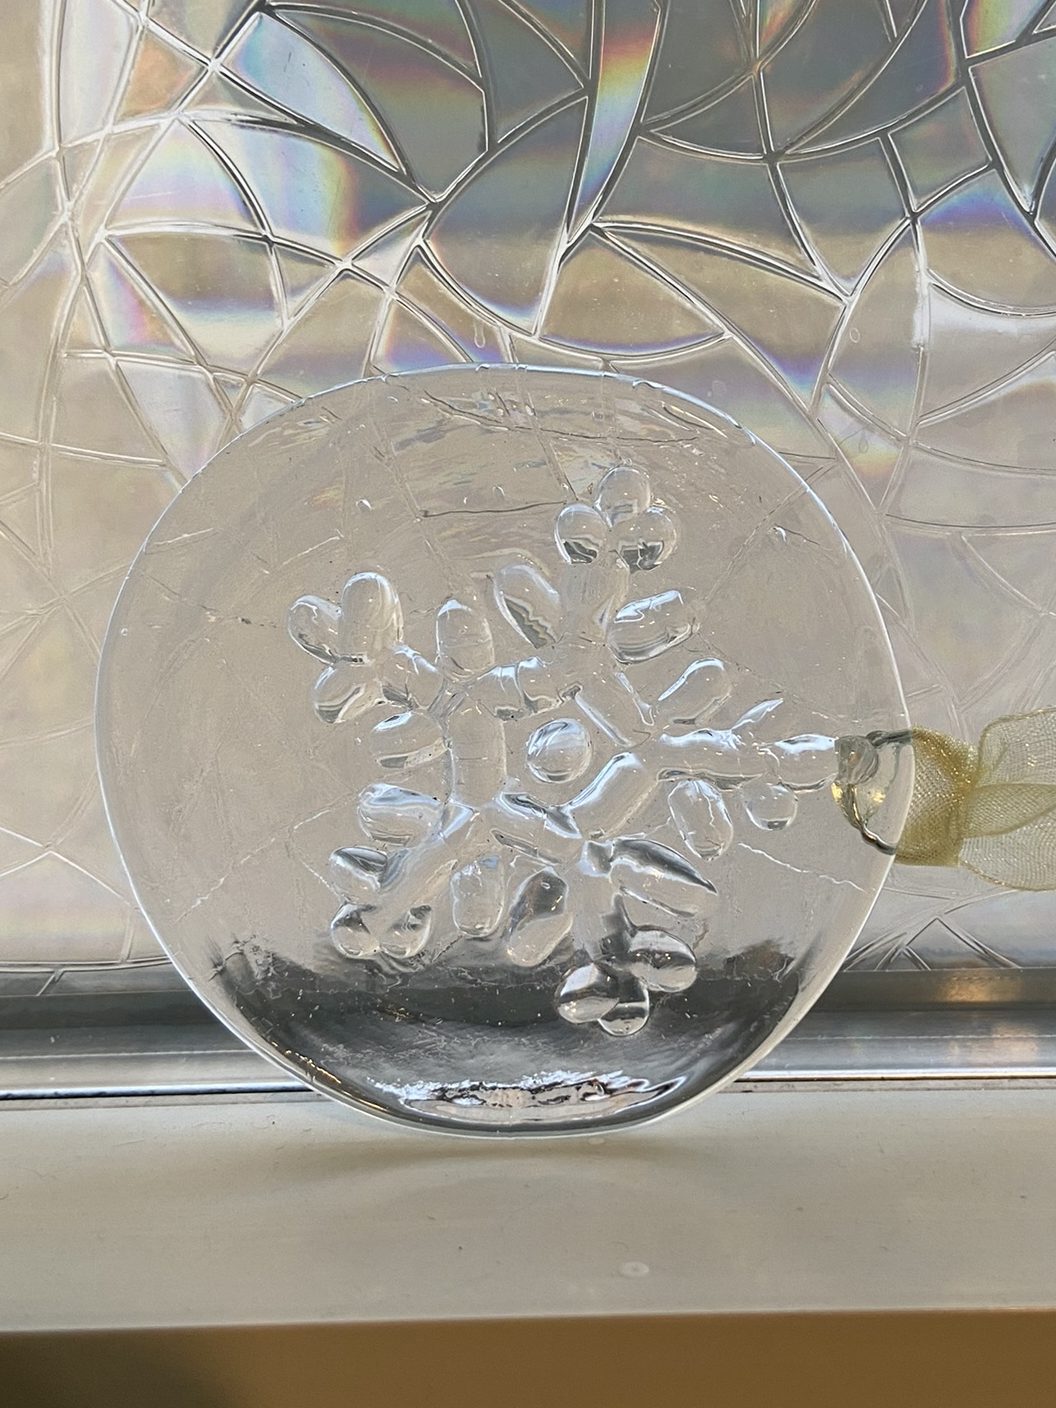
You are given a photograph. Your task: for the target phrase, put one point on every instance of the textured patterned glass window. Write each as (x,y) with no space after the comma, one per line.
(833,219)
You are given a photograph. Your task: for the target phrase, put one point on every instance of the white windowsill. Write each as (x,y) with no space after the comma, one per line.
(209,1212)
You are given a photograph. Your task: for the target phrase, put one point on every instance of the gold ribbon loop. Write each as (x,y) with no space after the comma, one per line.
(991,808)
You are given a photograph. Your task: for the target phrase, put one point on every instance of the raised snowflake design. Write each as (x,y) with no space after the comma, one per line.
(632,912)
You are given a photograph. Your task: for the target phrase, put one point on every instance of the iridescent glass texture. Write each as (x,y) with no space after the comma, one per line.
(833,219)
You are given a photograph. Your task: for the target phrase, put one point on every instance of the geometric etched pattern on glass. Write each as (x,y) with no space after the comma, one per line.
(833,219)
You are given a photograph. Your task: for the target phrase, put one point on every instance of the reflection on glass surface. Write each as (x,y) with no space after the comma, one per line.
(834,219)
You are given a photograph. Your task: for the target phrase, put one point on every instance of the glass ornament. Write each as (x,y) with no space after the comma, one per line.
(474,742)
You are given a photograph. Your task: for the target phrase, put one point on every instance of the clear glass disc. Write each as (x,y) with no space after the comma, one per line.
(469,739)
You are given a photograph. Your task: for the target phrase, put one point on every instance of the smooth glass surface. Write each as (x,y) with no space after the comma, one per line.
(469,738)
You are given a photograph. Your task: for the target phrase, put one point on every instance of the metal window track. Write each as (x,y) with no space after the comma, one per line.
(913,1028)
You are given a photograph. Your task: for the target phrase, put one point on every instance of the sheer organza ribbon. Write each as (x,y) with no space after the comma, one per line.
(990,808)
